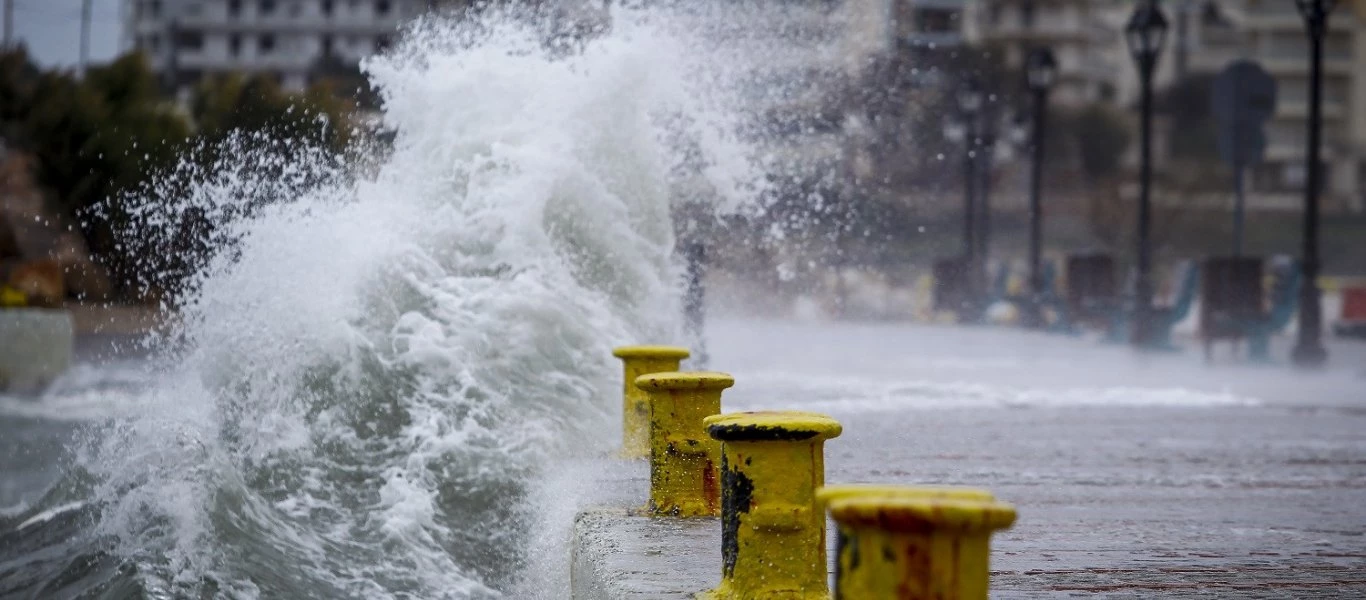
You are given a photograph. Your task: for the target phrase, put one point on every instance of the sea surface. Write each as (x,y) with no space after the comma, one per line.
(375,353)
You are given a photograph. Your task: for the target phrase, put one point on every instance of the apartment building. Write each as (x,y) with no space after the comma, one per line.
(1204,37)
(930,24)
(287,39)
(1272,33)
(1082,34)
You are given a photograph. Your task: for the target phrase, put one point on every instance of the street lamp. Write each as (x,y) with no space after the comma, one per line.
(1145,34)
(1309,350)
(1041,69)
(969,98)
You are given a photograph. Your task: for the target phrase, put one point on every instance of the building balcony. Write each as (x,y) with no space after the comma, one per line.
(1287,151)
(1287,18)
(1299,109)
(939,4)
(1043,30)
(938,39)
(1298,65)
(340,26)
(208,62)
(1212,61)
(215,17)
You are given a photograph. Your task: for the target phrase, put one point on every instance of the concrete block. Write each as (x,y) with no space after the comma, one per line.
(35,347)
(621,556)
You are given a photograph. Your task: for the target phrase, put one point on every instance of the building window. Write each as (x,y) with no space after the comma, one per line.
(189,40)
(152,43)
(295,10)
(235,44)
(1027,14)
(265,44)
(382,43)
(234,8)
(327,8)
(1288,176)
(189,76)
(267,6)
(936,21)
(154,8)
(1106,92)
(382,7)
(325,45)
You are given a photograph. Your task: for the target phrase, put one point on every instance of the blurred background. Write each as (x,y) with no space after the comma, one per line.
(882,169)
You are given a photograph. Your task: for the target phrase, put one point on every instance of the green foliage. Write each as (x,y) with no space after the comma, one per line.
(1193,133)
(222,105)
(96,137)
(115,130)
(1101,138)
(345,80)
(18,77)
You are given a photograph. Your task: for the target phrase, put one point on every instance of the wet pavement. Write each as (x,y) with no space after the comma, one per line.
(1228,501)
(1133,475)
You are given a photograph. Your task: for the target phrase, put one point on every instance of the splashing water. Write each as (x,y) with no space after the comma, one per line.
(373,363)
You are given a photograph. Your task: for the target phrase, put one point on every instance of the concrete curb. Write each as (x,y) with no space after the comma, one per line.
(620,556)
(35,347)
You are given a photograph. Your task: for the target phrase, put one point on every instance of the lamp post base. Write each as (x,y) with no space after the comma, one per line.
(1310,356)
(1031,314)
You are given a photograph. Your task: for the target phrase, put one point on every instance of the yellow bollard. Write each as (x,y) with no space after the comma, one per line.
(635,408)
(683,459)
(831,493)
(772,533)
(912,547)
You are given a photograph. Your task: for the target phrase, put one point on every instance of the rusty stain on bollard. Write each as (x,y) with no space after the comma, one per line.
(635,407)
(909,547)
(772,533)
(683,459)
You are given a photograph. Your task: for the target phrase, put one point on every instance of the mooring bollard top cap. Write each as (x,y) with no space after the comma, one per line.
(777,426)
(921,515)
(662,352)
(685,380)
(831,493)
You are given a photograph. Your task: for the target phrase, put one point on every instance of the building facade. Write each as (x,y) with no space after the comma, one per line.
(1081,33)
(287,39)
(1204,37)
(1272,33)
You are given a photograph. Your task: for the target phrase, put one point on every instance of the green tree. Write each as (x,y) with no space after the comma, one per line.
(1192,132)
(18,78)
(1101,137)
(222,105)
(95,138)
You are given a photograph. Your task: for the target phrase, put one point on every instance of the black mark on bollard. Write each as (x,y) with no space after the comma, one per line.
(757,433)
(737,494)
(842,548)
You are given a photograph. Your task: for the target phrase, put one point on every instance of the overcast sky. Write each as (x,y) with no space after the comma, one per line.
(52,30)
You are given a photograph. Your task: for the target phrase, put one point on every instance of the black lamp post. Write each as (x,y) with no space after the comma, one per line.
(966,129)
(969,106)
(1309,350)
(1041,69)
(1145,34)
(987,130)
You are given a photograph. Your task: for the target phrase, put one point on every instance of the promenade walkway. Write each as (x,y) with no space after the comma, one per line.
(1133,475)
